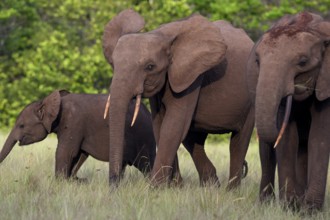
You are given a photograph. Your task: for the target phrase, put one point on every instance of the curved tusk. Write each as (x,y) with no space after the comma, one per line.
(137,107)
(106,109)
(286,119)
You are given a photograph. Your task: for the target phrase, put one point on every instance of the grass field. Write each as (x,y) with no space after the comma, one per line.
(28,190)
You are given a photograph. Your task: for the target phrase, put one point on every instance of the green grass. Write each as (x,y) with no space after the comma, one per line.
(28,190)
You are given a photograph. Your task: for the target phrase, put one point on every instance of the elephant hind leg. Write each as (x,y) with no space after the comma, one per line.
(239,144)
(194,143)
(77,162)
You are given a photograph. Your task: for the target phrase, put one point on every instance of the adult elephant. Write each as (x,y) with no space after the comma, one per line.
(289,73)
(193,71)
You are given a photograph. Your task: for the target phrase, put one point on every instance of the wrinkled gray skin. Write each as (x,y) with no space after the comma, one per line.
(293,58)
(194,74)
(77,119)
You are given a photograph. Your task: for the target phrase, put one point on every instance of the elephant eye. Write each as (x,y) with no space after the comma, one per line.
(257,61)
(149,67)
(21,126)
(303,61)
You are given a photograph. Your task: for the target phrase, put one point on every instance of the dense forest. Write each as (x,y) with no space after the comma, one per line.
(56,44)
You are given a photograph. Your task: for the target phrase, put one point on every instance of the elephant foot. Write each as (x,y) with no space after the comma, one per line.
(160,182)
(80,180)
(210,181)
(176,180)
(233,183)
(267,194)
(312,206)
(291,202)
(114,181)
(162,177)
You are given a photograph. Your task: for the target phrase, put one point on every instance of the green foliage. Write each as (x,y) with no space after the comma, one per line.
(47,45)
(256,16)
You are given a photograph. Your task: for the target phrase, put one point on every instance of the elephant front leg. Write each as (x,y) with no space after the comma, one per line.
(64,159)
(173,129)
(268,167)
(169,141)
(194,143)
(286,155)
(76,164)
(158,113)
(318,157)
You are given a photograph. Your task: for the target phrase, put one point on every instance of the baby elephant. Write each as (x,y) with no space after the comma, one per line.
(81,130)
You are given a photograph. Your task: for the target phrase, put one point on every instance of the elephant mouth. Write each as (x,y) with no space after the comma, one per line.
(25,140)
(150,88)
(304,86)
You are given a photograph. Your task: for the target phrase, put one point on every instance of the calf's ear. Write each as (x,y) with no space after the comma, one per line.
(48,109)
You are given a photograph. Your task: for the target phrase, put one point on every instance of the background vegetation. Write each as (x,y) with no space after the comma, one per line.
(28,190)
(47,45)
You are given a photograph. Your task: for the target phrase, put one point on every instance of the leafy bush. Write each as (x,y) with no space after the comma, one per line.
(47,45)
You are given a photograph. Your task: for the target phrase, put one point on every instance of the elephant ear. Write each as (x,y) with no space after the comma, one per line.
(126,22)
(64,92)
(197,45)
(49,108)
(322,89)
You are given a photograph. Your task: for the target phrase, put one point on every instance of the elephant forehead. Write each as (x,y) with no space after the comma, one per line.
(137,48)
(300,43)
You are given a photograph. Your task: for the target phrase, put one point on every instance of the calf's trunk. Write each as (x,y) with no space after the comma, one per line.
(8,146)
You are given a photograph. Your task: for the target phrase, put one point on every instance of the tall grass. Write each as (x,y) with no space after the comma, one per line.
(28,190)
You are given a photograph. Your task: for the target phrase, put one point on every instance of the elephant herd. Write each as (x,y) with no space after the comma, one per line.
(201,78)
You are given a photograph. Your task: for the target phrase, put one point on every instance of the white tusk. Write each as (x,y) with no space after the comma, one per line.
(137,107)
(106,108)
(286,119)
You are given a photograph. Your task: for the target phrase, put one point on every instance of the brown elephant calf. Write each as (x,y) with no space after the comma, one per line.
(77,119)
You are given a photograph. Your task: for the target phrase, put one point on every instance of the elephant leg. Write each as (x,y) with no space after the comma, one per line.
(176,179)
(303,120)
(318,156)
(158,112)
(286,155)
(65,153)
(77,163)
(301,170)
(239,144)
(268,168)
(194,143)
(173,129)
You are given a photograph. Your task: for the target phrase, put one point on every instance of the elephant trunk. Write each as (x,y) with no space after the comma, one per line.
(120,99)
(268,99)
(8,146)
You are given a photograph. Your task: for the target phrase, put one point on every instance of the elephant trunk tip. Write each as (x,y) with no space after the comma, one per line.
(7,149)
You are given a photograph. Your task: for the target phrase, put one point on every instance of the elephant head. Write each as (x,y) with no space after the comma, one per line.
(34,123)
(291,60)
(177,52)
